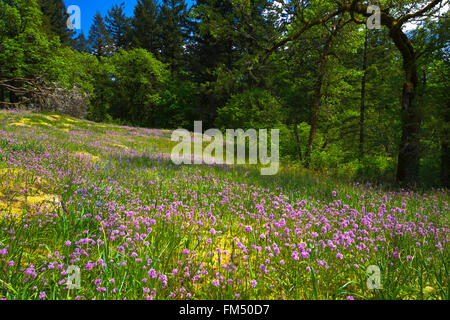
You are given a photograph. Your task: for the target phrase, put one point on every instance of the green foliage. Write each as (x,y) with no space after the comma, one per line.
(211,63)
(172,21)
(258,109)
(251,109)
(81,44)
(376,169)
(178,105)
(136,82)
(55,20)
(70,68)
(145,27)
(100,40)
(119,27)
(24,47)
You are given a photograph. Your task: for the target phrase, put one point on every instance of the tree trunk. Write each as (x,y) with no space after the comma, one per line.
(317,99)
(363,96)
(297,138)
(408,156)
(409,147)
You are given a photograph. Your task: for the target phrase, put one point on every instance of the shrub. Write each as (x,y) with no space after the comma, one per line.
(138,80)
(258,109)
(72,102)
(255,109)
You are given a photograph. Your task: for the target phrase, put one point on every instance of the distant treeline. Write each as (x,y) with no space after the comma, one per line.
(358,103)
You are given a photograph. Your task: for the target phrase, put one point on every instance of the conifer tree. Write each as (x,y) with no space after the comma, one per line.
(55,18)
(81,44)
(119,26)
(145,26)
(172,20)
(99,39)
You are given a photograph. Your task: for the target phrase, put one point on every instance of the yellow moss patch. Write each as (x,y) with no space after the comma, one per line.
(52,117)
(220,255)
(87,156)
(20,191)
(56,119)
(66,126)
(10,210)
(19,124)
(72,120)
(428,290)
(120,146)
(27,122)
(223,257)
(96,125)
(43,199)
(8,174)
(15,207)
(11,171)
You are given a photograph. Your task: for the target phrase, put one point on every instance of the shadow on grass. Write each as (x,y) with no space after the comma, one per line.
(289,179)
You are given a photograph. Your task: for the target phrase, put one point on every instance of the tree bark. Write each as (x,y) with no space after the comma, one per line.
(409,147)
(408,157)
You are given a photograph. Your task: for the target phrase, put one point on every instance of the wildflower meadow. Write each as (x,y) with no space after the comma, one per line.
(99,211)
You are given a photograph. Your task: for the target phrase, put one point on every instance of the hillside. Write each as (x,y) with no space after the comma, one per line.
(107,199)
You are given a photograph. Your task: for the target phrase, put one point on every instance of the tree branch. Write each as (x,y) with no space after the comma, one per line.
(419,13)
(297,34)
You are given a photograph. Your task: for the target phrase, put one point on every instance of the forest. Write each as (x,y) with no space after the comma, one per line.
(358,103)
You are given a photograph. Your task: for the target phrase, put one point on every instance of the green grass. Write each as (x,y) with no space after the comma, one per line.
(117,188)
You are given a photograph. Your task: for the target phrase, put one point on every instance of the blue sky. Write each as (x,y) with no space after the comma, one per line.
(90,7)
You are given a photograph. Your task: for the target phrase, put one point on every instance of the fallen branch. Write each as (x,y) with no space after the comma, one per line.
(35,90)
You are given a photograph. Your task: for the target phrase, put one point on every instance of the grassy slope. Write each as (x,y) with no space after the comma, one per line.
(108,200)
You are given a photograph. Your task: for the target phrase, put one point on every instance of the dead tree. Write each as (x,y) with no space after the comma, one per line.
(23,92)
